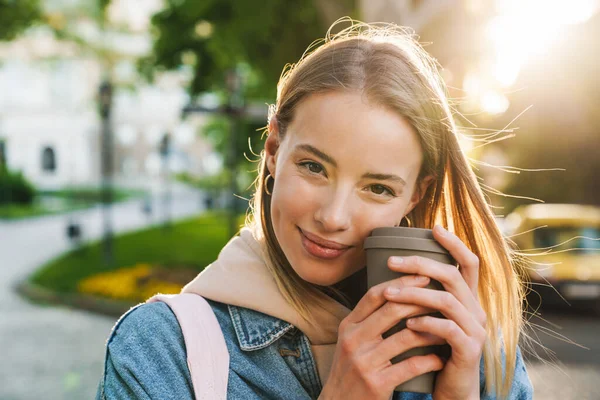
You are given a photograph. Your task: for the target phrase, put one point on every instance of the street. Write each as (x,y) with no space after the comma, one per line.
(54,352)
(573,370)
(57,353)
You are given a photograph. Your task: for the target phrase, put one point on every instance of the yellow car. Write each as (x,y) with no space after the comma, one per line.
(563,243)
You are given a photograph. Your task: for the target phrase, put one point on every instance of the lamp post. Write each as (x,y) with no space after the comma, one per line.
(2,155)
(165,150)
(105,104)
(234,109)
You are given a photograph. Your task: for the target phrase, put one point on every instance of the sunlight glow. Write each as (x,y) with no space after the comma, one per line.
(521,31)
(494,102)
(527,28)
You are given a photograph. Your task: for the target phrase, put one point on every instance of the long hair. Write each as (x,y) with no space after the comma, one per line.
(386,64)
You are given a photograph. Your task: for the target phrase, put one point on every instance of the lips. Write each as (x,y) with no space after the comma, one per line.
(319,250)
(324,243)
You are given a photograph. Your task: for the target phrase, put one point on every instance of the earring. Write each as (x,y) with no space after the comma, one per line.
(408,222)
(266,184)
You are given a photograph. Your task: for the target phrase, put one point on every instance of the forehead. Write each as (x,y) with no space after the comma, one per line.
(346,126)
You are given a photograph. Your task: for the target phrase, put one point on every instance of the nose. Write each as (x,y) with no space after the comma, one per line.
(335,211)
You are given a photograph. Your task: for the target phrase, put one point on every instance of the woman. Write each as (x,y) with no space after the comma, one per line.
(361,137)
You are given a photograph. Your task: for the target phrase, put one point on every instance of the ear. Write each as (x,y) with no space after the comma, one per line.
(420,190)
(272,146)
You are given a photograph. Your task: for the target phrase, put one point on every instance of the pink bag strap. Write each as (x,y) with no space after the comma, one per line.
(207,354)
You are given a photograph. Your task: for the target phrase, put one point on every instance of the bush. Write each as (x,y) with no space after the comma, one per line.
(15,188)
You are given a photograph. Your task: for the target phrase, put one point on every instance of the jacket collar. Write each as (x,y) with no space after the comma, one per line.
(255,330)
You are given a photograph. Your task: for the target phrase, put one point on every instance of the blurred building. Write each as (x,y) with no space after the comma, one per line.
(49,123)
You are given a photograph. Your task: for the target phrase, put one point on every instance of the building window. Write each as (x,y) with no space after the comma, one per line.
(48,160)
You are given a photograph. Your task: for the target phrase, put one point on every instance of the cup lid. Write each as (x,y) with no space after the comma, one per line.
(401,231)
(397,242)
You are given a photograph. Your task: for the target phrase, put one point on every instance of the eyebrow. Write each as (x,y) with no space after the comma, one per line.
(368,175)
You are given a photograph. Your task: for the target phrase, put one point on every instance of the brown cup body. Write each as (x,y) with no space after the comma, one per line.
(384,243)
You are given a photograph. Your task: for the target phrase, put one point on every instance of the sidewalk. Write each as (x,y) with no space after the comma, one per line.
(56,352)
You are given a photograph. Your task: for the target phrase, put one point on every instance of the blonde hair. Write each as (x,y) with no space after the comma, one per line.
(387,64)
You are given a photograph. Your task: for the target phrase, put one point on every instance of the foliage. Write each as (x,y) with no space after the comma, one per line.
(249,133)
(222,33)
(16,16)
(17,211)
(91,195)
(15,188)
(195,243)
(210,183)
(49,202)
(211,37)
(218,131)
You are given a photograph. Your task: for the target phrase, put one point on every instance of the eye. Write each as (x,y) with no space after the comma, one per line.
(380,189)
(313,167)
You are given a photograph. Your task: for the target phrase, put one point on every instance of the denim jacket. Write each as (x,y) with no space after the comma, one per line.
(269,358)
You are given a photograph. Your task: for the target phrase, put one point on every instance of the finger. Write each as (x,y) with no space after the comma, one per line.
(468,261)
(447,275)
(440,300)
(464,348)
(410,368)
(388,316)
(402,341)
(374,298)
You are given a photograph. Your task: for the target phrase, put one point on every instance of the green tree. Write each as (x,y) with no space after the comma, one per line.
(211,37)
(216,35)
(15,188)
(17,15)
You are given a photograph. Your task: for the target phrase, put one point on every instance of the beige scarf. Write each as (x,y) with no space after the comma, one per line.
(240,277)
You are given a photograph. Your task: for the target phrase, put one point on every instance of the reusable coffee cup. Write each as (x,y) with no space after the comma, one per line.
(384,243)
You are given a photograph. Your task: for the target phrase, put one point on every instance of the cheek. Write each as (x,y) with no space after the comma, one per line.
(375,217)
(383,216)
(285,203)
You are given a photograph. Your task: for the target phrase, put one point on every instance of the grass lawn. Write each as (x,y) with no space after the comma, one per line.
(91,194)
(64,200)
(17,211)
(191,244)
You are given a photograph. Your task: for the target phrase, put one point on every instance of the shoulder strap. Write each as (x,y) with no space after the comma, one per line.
(207,354)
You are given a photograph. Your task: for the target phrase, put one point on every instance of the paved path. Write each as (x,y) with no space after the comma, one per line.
(570,370)
(51,352)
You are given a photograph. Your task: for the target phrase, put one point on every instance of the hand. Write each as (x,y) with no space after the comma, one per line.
(361,366)
(464,328)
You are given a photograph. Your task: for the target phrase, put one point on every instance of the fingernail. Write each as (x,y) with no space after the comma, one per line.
(441,230)
(392,290)
(396,260)
(421,278)
(410,321)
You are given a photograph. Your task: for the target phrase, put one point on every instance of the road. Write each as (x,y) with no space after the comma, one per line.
(57,353)
(569,367)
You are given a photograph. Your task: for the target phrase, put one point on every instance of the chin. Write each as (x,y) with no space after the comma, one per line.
(318,278)
(323,274)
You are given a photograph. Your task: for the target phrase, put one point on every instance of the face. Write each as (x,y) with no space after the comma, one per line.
(343,168)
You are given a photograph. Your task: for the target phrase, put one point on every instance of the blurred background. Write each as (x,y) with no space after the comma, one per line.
(128,131)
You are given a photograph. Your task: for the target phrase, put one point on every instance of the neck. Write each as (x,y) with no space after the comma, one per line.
(350,290)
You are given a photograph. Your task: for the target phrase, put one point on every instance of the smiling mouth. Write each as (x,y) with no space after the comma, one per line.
(319,251)
(323,242)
